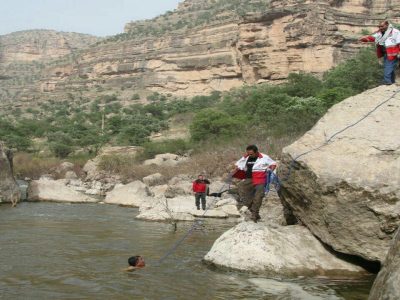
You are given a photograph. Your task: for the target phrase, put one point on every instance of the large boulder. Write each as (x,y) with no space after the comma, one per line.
(179,186)
(276,250)
(183,208)
(387,284)
(55,190)
(154,179)
(9,190)
(346,190)
(165,160)
(162,212)
(134,194)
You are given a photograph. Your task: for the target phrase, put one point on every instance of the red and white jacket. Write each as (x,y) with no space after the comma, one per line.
(260,167)
(391,44)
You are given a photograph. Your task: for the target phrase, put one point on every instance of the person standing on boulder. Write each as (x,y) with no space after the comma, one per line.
(200,191)
(387,41)
(252,169)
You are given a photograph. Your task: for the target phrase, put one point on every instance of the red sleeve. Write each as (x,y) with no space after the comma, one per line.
(367,38)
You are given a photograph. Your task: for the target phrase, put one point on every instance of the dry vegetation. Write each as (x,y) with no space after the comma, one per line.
(210,158)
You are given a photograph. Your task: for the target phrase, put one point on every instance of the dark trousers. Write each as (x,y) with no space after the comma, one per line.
(250,195)
(201,196)
(389,69)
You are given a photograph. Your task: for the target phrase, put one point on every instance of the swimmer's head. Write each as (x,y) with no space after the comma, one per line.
(136,261)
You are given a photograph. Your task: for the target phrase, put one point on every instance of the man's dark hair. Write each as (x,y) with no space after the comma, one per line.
(132,261)
(252,147)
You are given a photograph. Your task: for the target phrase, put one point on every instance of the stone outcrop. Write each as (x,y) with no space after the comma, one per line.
(183,208)
(132,194)
(347,191)
(276,250)
(386,285)
(9,191)
(165,160)
(55,190)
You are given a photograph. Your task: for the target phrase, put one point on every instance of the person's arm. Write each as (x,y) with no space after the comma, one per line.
(367,39)
(194,186)
(129,269)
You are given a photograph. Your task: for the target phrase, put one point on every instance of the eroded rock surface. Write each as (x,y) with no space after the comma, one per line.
(387,284)
(135,194)
(55,190)
(347,192)
(282,250)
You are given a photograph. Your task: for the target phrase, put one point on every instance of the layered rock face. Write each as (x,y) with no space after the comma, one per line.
(41,45)
(9,191)
(204,46)
(347,192)
(386,285)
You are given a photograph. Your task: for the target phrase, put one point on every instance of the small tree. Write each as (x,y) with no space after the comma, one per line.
(210,123)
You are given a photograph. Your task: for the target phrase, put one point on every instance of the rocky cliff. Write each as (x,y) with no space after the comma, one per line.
(345,188)
(41,45)
(386,285)
(207,45)
(9,191)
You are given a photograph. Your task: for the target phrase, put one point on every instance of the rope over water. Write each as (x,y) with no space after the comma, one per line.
(291,166)
(195,224)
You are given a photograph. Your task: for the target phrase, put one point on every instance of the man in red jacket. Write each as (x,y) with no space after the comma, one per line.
(251,169)
(200,191)
(387,42)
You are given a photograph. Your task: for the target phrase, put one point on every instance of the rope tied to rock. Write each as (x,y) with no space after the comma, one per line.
(277,180)
(294,160)
(195,225)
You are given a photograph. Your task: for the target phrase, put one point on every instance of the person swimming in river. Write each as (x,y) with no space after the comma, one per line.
(135,263)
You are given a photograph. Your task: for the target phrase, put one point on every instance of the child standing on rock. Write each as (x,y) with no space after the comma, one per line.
(200,191)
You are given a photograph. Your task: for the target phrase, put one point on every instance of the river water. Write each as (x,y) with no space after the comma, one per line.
(77,251)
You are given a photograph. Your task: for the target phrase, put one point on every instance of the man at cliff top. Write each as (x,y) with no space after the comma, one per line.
(200,190)
(251,169)
(135,263)
(387,41)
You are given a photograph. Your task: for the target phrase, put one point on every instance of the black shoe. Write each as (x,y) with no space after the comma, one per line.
(198,208)
(255,217)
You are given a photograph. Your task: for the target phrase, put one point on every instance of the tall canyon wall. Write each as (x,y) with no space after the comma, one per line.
(223,52)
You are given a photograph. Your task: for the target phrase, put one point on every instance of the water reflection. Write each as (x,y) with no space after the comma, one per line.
(64,251)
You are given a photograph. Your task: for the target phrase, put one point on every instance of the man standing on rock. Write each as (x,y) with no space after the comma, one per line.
(252,170)
(387,41)
(200,191)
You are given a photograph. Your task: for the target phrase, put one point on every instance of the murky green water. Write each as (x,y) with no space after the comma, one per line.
(76,251)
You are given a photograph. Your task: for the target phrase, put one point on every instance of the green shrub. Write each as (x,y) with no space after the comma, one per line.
(135,96)
(151,149)
(302,85)
(359,73)
(134,134)
(210,123)
(21,143)
(60,150)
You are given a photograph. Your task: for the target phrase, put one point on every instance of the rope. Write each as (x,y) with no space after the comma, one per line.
(194,226)
(292,163)
(278,181)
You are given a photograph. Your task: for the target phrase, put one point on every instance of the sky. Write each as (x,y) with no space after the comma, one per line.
(96,17)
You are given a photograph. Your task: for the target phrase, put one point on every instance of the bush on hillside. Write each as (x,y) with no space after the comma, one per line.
(210,123)
(359,73)
(151,149)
